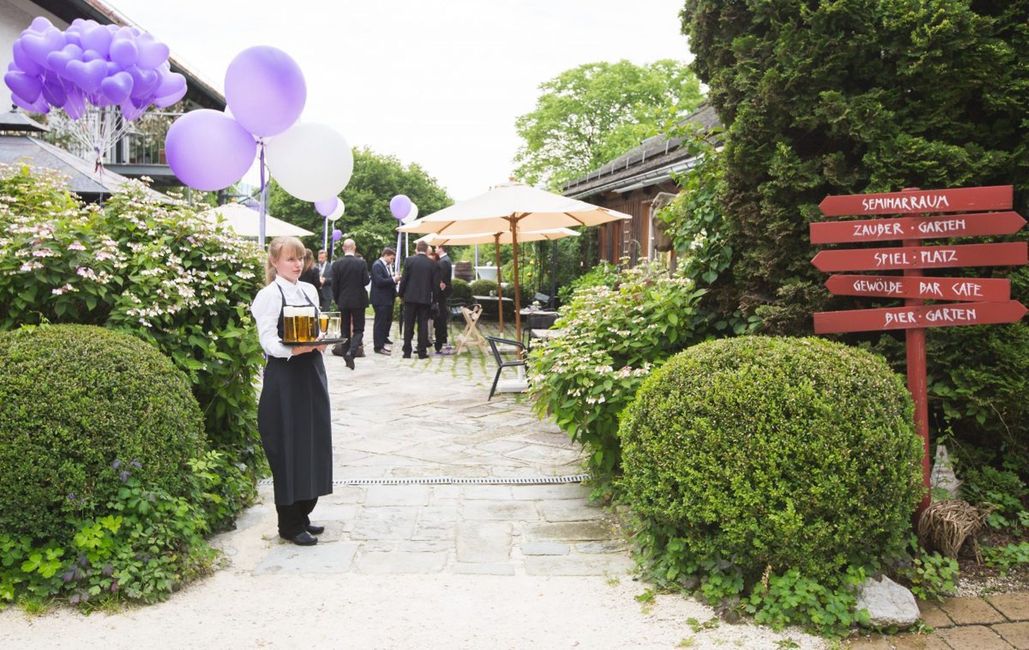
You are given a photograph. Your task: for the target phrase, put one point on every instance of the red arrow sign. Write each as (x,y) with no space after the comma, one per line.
(958,225)
(997,197)
(900,318)
(895,286)
(922,257)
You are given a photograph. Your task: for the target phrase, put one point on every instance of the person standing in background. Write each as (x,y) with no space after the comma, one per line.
(325,287)
(310,274)
(349,277)
(383,295)
(419,277)
(446,288)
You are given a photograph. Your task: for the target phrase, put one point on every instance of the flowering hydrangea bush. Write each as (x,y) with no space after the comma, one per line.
(156,270)
(614,336)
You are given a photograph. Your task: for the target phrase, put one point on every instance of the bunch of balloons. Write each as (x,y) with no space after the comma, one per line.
(332,209)
(265,92)
(102,65)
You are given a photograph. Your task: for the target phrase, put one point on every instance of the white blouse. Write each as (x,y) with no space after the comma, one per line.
(267,308)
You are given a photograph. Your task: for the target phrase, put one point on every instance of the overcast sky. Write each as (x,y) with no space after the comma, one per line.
(437,82)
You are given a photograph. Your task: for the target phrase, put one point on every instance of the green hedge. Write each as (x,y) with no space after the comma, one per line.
(758,454)
(462,291)
(79,405)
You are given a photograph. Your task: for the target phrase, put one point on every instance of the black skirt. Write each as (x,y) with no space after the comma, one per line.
(294,420)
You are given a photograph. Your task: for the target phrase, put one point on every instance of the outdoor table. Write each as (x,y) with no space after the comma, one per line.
(538,319)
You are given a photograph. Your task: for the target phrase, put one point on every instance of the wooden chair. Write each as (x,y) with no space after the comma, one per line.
(518,361)
(471,337)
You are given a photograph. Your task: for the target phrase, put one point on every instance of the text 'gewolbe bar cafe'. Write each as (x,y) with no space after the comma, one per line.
(913,216)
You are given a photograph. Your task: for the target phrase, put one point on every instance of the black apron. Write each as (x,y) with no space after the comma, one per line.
(294,420)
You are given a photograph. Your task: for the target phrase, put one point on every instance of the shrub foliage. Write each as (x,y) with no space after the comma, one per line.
(751,457)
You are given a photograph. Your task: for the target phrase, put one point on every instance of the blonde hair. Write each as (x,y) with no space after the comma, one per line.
(278,246)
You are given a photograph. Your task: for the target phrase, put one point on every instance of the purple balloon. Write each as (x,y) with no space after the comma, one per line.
(151,52)
(400,206)
(208,150)
(337,235)
(326,206)
(124,51)
(117,87)
(144,82)
(75,104)
(265,90)
(54,91)
(58,61)
(38,106)
(97,38)
(41,24)
(130,111)
(93,55)
(38,46)
(168,100)
(171,83)
(25,86)
(23,60)
(87,75)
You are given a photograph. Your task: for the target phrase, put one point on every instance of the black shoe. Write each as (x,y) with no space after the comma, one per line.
(389,341)
(423,356)
(386,352)
(407,356)
(303,539)
(315,530)
(349,360)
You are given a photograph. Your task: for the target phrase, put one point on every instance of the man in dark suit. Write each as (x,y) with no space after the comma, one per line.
(325,288)
(444,289)
(416,283)
(349,277)
(384,293)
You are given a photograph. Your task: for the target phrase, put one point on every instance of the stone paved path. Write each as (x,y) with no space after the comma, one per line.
(421,565)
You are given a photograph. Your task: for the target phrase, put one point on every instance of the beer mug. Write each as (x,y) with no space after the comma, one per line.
(307,324)
(323,323)
(290,323)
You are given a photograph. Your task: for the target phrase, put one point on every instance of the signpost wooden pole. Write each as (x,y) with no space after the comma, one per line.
(985,300)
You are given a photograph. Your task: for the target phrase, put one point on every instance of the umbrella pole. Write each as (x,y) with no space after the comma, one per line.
(500,290)
(517,293)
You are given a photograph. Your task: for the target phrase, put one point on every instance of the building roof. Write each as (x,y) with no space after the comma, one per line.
(652,162)
(199,91)
(82,178)
(14,121)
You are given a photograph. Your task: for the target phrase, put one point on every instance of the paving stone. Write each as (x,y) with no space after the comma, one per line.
(499,511)
(342,495)
(544,548)
(570,510)
(397,495)
(483,569)
(571,531)
(919,642)
(384,523)
(548,492)
(398,562)
(973,637)
(1017,634)
(606,546)
(971,611)
(482,542)
(485,492)
(1014,606)
(933,616)
(592,565)
(289,558)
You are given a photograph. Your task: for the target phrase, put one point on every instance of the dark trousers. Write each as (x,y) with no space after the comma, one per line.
(383,321)
(293,519)
(416,313)
(353,319)
(440,324)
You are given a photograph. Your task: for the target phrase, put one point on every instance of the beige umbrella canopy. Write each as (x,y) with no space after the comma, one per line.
(244,222)
(497,238)
(515,208)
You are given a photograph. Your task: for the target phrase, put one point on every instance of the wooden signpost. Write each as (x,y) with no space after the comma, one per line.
(981,301)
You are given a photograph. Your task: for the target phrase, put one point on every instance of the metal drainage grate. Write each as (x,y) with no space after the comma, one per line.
(454,480)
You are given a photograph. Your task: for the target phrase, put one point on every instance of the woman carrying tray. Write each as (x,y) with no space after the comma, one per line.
(293,415)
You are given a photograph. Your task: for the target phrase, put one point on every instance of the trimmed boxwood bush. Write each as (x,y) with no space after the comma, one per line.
(77,401)
(462,291)
(754,456)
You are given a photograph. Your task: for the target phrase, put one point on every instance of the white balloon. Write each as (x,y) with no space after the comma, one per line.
(337,212)
(310,161)
(412,215)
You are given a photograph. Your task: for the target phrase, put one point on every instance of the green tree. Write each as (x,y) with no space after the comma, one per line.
(852,96)
(377,179)
(590,114)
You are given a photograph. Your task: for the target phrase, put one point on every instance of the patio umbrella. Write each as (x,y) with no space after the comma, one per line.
(244,222)
(515,208)
(497,238)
